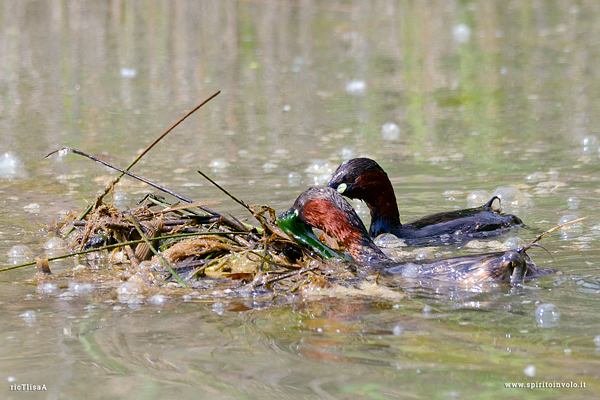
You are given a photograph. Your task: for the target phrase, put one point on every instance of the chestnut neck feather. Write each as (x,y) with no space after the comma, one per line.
(344,226)
(377,192)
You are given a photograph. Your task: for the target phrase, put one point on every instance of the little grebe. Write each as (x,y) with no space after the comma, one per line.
(364,179)
(326,209)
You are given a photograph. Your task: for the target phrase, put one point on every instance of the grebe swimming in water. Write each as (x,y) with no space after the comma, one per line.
(364,179)
(326,209)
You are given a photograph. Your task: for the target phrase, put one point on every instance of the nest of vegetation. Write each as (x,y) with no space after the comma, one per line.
(160,245)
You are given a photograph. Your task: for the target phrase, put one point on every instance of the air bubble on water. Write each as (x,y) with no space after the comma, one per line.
(186,297)
(29,317)
(135,302)
(547,315)
(424,255)
(390,131)
(388,241)
(19,251)
(319,172)
(47,288)
(529,371)
(219,165)
(597,341)
(478,198)
(130,293)
(128,288)
(426,309)
(128,73)
(590,144)
(32,208)
(347,153)
(218,308)
(572,230)
(11,166)
(573,203)
(319,167)
(269,167)
(510,196)
(356,87)
(78,289)
(513,243)
(461,33)
(11,379)
(536,177)
(397,330)
(55,243)
(294,179)
(120,199)
(158,300)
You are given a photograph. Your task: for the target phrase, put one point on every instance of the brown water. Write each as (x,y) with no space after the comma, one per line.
(303,81)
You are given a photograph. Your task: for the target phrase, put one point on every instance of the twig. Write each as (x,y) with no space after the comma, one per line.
(528,246)
(246,206)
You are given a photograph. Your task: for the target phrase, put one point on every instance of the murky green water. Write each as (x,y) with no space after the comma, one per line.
(510,94)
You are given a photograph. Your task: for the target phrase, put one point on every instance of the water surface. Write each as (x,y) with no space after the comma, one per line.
(483,94)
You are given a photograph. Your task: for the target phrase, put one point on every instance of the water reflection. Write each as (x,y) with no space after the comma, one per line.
(480,95)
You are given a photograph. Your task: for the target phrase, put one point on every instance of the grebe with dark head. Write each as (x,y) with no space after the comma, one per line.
(326,209)
(364,179)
